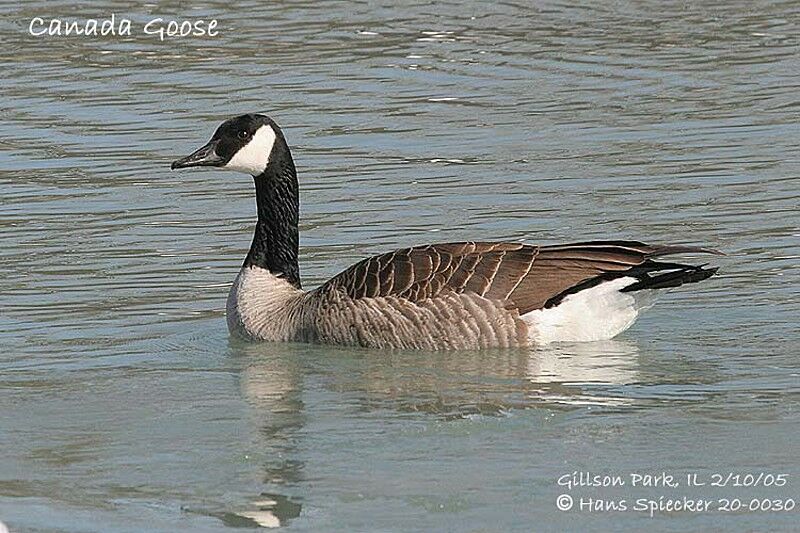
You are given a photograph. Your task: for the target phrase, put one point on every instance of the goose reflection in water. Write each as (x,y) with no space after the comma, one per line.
(444,385)
(272,387)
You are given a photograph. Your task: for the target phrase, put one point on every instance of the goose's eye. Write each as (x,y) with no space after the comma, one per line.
(242,134)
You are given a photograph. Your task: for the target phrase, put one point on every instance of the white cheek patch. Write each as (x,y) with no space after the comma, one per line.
(253,157)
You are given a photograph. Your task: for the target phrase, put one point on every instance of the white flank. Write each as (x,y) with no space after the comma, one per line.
(253,157)
(595,314)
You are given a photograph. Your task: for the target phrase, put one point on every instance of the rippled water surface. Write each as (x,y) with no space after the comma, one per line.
(124,406)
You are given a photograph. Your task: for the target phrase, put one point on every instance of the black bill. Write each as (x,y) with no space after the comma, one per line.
(203,157)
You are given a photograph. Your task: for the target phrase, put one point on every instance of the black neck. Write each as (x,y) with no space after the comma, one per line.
(275,241)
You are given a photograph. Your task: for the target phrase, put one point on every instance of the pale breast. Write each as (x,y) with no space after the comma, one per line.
(263,306)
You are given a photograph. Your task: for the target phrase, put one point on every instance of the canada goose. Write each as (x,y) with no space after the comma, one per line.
(462,295)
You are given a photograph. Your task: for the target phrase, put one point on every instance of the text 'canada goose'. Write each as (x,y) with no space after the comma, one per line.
(462,295)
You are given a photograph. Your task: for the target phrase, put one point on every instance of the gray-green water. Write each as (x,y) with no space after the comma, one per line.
(124,406)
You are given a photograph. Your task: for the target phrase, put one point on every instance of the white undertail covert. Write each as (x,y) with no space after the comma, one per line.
(599,313)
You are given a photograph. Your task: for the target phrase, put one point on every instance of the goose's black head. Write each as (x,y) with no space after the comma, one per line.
(245,143)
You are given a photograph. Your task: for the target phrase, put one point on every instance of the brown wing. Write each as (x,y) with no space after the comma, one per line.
(526,276)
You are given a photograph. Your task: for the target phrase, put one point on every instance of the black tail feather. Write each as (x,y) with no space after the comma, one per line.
(647,274)
(673,278)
